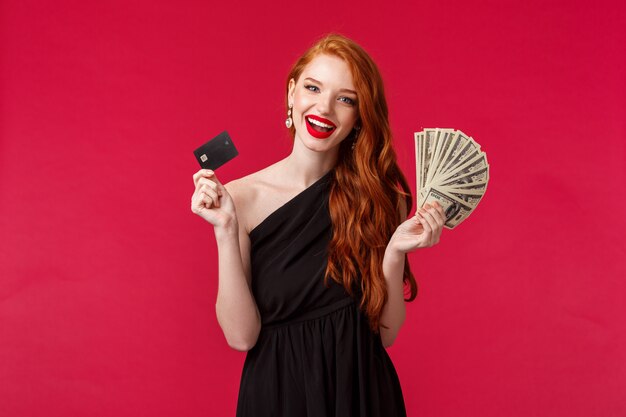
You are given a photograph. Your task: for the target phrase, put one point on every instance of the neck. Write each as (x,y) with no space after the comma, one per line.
(305,166)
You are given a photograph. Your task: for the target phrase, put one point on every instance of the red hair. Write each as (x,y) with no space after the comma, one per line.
(365,197)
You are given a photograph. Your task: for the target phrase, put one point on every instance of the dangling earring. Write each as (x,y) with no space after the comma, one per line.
(289,120)
(356,135)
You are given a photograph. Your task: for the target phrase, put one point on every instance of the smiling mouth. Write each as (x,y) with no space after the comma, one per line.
(319,126)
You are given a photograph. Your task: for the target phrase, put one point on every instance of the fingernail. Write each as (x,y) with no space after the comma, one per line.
(208,171)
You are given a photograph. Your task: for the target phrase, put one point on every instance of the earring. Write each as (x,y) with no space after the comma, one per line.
(289,120)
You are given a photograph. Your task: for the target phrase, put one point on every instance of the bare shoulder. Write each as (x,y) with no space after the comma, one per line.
(246,187)
(238,188)
(245,192)
(242,191)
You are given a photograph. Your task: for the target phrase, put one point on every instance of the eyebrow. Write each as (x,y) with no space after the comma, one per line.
(320,83)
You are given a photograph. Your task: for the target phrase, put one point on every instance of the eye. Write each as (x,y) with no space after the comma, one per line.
(309,85)
(348,100)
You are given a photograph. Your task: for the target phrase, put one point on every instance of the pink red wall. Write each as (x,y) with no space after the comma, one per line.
(108,281)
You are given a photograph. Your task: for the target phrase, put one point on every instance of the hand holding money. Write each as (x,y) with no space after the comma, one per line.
(451,170)
(423,230)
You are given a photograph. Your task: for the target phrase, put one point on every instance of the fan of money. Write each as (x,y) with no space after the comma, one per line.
(452,170)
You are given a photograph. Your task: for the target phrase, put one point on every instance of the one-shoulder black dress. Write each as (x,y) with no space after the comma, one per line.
(316,355)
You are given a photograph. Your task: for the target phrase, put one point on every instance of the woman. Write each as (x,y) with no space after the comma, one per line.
(312,262)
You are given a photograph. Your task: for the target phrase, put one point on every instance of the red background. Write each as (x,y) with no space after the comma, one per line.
(108,281)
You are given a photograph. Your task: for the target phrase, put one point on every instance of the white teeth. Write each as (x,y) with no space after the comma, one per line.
(318,123)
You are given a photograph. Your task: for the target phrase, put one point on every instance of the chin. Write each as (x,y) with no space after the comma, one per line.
(319,145)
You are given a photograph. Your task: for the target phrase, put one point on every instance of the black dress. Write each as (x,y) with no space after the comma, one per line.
(315,355)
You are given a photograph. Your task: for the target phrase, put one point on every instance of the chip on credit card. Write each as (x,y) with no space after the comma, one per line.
(216,152)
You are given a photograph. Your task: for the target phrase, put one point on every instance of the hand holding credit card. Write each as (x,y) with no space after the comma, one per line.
(216,152)
(210,199)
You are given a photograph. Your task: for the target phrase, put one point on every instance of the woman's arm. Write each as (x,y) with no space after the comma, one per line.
(421,231)
(394,311)
(236,310)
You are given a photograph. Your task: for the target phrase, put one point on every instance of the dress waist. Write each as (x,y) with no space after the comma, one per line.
(310,315)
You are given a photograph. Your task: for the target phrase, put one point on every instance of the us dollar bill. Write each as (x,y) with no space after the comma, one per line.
(451,169)
(454,210)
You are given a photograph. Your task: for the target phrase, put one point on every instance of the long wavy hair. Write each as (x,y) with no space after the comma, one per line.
(367,187)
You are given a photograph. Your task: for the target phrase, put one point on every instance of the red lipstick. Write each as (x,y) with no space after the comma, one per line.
(316,133)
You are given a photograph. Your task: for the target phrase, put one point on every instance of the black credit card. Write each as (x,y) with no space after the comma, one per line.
(216,152)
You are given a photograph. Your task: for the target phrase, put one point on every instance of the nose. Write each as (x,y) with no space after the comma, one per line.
(325,104)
